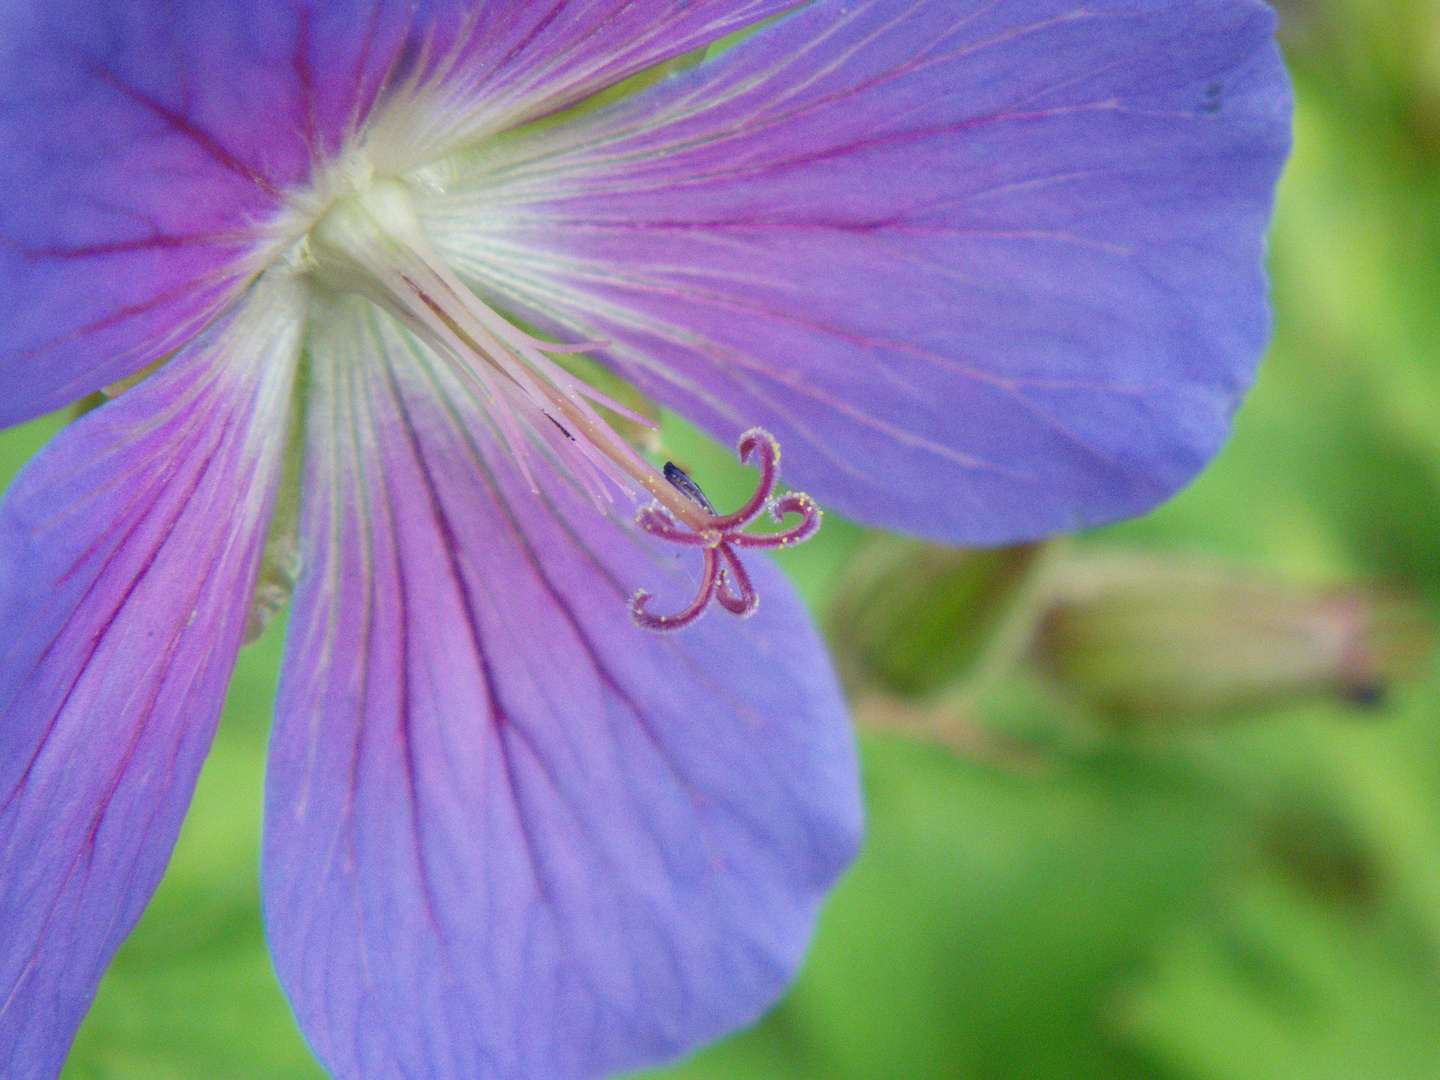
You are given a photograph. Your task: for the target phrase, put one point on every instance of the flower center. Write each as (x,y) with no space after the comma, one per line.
(370,242)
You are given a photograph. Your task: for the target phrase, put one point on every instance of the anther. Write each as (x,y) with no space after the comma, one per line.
(681,482)
(723,577)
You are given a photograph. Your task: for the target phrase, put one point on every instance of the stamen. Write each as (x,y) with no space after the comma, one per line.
(723,577)
(370,242)
(681,479)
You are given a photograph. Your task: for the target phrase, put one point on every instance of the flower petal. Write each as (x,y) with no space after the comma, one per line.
(987,269)
(128,552)
(493,66)
(509,834)
(144,144)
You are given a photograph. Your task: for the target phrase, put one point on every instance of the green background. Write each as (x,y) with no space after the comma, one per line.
(1253,899)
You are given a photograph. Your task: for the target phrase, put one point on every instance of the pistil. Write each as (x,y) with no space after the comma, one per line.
(370,242)
(723,577)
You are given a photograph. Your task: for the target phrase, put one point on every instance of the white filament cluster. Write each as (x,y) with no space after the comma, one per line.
(370,242)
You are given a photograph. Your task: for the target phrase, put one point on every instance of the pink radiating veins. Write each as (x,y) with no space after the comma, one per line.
(723,578)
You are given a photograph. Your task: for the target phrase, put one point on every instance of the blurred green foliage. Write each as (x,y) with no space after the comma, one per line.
(1253,901)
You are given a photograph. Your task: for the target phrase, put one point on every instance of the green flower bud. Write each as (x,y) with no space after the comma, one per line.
(1169,638)
(912,617)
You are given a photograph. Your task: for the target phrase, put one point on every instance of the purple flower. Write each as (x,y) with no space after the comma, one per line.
(986,268)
